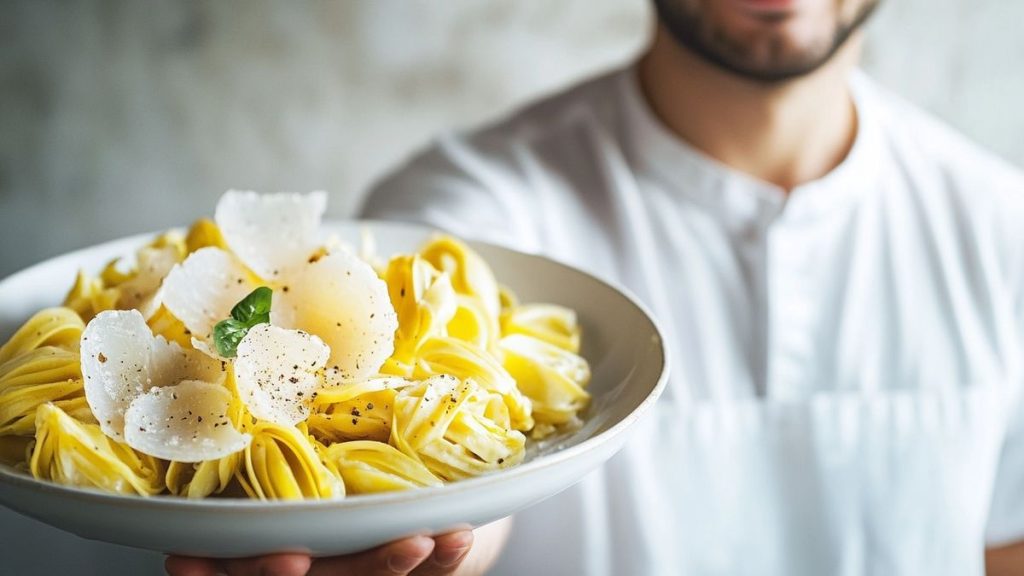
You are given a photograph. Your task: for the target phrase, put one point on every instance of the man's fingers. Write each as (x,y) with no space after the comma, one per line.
(449,552)
(187,566)
(434,557)
(274,565)
(395,559)
(271,565)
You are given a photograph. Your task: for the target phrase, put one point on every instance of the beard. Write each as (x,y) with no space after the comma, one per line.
(769,58)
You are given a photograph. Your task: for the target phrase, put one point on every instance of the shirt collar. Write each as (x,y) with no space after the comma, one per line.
(737,196)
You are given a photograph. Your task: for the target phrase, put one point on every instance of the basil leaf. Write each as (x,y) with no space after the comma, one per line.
(255,308)
(226,336)
(252,310)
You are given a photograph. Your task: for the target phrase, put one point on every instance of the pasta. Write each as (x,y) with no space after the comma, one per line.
(89,296)
(360,411)
(463,360)
(39,365)
(472,279)
(201,479)
(246,357)
(76,453)
(454,429)
(368,467)
(551,377)
(282,463)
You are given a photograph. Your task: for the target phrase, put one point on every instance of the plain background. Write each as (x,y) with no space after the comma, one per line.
(129,116)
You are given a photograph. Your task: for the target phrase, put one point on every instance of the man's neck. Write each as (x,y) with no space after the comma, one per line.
(785,134)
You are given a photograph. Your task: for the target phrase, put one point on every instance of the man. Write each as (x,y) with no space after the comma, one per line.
(840,280)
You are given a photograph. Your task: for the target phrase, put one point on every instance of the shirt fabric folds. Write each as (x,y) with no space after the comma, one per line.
(846,393)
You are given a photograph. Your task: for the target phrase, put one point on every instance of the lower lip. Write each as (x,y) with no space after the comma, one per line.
(768,6)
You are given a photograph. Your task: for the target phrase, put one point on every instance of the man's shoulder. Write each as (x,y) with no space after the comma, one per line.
(964,190)
(923,142)
(551,116)
(495,159)
(499,144)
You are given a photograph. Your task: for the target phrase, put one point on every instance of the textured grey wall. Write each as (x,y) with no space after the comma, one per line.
(121,117)
(125,116)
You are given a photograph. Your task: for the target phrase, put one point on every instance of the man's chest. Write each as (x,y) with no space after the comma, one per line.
(872,299)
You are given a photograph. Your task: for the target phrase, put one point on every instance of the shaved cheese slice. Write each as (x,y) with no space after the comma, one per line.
(170,364)
(276,372)
(202,290)
(343,301)
(204,347)
(271,233)
(115,365)
(187,422)
(153,265)
(122,360)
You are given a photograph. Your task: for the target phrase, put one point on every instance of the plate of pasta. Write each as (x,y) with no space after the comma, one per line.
(266,381)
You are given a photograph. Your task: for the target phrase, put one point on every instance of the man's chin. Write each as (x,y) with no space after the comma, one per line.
(765,41)
(777,71)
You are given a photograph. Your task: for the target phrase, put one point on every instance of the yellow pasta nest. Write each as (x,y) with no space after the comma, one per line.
(444,376)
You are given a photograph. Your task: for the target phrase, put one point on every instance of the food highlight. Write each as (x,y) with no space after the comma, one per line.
(252,358)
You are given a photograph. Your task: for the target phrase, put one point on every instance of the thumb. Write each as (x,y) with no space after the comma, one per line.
(394,559)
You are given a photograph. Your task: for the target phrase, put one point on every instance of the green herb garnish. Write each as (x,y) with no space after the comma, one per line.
(252,310)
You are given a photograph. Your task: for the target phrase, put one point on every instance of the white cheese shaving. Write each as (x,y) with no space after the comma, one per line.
(342,300)
(271,233)
(277,372)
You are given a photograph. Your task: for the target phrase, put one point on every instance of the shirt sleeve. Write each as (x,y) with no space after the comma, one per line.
(1006,509)
(456,187)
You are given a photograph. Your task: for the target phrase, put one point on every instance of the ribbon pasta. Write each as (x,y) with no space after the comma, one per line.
(457,358)
(283,463)
(40,364)
(468,376)
(368,467)
(78,454)
(443,422)
(360,411)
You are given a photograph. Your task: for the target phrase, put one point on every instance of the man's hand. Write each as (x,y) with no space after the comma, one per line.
(1006,560)
(463,553)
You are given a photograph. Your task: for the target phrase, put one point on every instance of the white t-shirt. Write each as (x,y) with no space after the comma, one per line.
(847,359)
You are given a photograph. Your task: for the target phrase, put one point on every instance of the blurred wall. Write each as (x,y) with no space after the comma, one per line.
(127,116)
(130,116)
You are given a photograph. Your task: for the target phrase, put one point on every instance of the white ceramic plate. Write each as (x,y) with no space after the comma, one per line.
(620,340)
